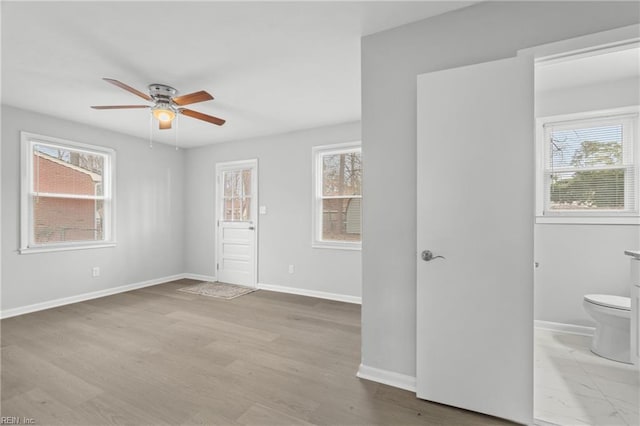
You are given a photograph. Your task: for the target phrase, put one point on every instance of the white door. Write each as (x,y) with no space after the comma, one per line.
(237,193)
(475,189)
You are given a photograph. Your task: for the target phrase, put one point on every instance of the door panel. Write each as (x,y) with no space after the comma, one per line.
(475,193)
(235,249)
(236,221)
(235,234)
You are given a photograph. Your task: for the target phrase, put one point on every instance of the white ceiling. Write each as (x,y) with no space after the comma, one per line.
(272,67)
(589,70)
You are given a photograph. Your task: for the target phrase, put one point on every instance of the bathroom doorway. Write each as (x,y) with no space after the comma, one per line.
(587,160)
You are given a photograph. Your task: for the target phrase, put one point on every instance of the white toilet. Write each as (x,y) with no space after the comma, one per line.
(612,314)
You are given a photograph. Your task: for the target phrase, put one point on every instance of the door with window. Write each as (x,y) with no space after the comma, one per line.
(237,194)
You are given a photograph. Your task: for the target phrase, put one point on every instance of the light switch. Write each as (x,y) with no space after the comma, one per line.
(263,209)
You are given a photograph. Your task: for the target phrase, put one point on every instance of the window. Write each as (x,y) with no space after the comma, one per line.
(589,169)
(67,195)
(337,196)
(236,196)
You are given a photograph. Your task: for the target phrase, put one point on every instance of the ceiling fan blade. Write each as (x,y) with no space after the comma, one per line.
(192,98)
(119,106)
(200,116)
(164,125)
(128,88)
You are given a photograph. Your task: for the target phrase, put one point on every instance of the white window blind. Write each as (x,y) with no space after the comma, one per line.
(590,167)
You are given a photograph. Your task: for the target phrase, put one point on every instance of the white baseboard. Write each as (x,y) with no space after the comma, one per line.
(311,293)
(538,422)
(564,328)
(199,277)
(8,313)
(387,377)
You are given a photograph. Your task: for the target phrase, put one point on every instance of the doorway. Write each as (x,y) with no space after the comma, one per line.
(475,222)
(236,222)
(586,216)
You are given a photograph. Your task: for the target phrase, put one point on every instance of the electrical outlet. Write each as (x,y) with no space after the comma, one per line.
(95,272)
(291,269)
(263,209)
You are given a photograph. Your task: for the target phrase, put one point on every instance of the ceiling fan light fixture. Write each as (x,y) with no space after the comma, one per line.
(164,114)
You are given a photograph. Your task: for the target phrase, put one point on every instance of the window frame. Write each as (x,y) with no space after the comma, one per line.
(27,240)
(317,195)
(628,117)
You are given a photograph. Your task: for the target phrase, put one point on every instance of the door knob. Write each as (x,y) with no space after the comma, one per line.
(427,256)
(251,228)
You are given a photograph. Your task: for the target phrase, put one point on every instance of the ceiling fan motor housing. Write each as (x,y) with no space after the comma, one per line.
(162,94)
(162,91)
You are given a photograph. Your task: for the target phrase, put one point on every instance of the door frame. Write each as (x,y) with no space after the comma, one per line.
(233,165)
(587,45)
(564,50)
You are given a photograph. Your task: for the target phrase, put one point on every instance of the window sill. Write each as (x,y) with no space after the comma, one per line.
(33,250)
(589,220)
(337,246)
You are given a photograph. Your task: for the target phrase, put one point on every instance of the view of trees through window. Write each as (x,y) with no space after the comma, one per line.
(237,195)
(587,170)
(341,196)
(67,195)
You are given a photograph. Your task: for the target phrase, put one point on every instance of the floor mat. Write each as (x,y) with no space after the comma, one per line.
(217,289)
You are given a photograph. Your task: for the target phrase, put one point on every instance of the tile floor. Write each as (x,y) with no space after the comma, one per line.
(575,387)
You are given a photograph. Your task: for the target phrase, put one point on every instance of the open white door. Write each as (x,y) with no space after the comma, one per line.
(236,203)
(475,186)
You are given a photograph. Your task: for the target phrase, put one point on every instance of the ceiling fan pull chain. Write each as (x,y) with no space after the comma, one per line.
(150,131)
(176,132)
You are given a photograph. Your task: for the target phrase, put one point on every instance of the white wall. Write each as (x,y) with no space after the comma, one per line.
(165,208)
(576,260)
(284,233)
(391,60)
(149,214)
(604,95)
(582,259)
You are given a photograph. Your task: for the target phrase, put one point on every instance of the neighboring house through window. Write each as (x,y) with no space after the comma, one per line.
(589,168)
(67,195)
(337,196)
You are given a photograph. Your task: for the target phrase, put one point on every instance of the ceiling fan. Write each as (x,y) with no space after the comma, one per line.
(165,104)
